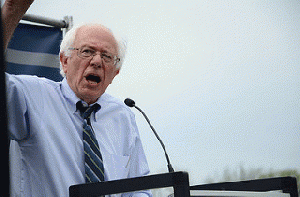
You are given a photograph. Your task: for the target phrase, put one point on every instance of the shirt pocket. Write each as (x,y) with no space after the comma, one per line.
(116,166)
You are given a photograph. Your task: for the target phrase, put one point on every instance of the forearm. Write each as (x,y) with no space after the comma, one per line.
(12,13)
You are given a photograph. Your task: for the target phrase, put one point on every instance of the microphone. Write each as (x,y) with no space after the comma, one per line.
(130,103)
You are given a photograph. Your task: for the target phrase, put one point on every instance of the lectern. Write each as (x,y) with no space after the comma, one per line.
(178,180)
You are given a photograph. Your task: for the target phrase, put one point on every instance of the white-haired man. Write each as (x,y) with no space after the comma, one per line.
(60,144)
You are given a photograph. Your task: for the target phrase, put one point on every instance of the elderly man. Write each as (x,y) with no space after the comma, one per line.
(72,132)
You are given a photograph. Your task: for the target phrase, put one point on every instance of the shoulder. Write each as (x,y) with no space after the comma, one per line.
(111,103)
(29,81)
(117,116)
(30,87)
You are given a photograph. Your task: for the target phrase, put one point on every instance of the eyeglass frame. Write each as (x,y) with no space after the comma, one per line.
(115,59)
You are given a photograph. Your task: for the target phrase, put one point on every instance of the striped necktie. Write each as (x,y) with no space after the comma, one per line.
(94,170)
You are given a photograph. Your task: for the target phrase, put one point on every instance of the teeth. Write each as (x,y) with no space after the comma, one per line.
(92,82)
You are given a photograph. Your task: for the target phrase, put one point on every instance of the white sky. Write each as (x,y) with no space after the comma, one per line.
(218,79)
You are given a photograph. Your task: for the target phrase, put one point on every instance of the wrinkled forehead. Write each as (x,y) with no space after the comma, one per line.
(96,36)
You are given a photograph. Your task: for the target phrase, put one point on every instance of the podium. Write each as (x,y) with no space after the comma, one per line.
(180,182)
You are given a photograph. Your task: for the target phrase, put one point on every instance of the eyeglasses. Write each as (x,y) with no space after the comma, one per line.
(87,52)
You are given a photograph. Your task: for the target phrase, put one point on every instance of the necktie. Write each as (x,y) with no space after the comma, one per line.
(94,170)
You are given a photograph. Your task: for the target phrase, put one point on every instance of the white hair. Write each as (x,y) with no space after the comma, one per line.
(69,39)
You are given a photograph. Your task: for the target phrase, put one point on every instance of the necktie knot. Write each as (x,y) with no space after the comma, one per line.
(86,111)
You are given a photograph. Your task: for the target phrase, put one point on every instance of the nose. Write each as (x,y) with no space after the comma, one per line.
(96,60)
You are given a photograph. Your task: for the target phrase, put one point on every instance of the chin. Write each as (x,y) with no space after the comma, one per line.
(92,98)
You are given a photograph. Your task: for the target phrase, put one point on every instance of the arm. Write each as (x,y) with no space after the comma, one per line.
(18,119)
(12,12)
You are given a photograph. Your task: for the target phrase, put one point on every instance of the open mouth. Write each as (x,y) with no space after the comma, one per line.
(93,79)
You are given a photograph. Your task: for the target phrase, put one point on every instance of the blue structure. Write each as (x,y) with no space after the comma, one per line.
(34,50)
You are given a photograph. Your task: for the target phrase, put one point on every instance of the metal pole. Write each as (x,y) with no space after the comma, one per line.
(46,21)
(69,21)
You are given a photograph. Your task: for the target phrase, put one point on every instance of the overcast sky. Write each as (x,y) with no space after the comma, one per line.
(219,80)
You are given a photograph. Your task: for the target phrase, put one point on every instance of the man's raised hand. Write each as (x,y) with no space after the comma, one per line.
(12,13)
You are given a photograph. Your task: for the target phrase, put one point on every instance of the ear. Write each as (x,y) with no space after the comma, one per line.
(64,62)
(115,74)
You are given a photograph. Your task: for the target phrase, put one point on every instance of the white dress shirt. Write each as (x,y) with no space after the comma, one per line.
(43,120)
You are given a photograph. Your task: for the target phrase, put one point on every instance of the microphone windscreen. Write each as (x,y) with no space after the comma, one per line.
(129,102)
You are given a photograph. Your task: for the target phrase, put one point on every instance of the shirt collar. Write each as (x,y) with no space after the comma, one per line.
(69,94)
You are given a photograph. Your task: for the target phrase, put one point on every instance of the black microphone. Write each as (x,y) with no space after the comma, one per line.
(130,103)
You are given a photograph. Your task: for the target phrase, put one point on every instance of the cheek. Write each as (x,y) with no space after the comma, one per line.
(75,70)
(110,75)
